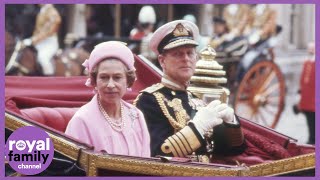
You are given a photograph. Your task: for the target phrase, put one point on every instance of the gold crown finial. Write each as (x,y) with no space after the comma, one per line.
(208,53)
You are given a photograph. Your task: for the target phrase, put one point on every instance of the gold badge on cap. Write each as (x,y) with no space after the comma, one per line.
(180,30)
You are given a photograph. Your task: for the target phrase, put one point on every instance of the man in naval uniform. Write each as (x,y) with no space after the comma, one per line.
(45,36)
(179,124)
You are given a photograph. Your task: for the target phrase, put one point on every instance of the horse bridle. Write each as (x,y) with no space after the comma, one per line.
(71,56)
(12,61)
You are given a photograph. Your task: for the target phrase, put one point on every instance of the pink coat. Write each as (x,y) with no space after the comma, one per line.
(89,125)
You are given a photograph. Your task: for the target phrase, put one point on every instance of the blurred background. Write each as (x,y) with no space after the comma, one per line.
(82,20)
(84,25)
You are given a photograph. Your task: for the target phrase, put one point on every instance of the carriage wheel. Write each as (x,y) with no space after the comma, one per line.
(261,93)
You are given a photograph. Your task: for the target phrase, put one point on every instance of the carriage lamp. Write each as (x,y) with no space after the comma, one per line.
(209,74)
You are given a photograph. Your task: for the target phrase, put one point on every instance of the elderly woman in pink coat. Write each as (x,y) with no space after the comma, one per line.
(107,122)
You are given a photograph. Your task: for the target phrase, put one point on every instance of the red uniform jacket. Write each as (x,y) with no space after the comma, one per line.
(307,87)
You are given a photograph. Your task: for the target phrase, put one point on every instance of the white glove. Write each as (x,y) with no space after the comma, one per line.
(207,118)
(229,37)
(27,42)
(225,113)
(254,38)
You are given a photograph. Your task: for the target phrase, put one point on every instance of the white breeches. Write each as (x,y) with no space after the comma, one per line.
(46,49)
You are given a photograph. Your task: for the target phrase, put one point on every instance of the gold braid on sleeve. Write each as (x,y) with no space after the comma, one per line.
(182,143)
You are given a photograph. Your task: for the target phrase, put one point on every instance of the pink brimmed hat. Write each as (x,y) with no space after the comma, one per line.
(110,49)
(174,34)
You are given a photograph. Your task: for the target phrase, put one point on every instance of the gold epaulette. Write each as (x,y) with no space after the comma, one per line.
(150,90)
(153,88)
(136,100)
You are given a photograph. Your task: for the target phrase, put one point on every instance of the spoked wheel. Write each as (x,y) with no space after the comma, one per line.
(261,93)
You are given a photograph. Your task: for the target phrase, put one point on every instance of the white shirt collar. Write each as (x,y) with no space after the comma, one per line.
(166,81)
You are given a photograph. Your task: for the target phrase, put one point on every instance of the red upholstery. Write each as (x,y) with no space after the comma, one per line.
(57,118)
(272,135)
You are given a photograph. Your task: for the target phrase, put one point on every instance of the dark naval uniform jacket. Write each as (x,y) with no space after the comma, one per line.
(167,113)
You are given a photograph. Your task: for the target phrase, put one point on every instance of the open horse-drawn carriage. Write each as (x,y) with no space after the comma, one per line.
(50,102)
(256,81)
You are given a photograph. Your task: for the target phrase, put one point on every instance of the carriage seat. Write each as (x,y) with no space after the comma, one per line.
(56,118)
(260,149)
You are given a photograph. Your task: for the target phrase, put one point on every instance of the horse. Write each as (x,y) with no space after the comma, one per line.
(20,59)
(69,62)
(9,46)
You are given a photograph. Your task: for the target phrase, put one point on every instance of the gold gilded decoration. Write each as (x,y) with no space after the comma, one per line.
(92,170)
(191,102)
(175,124)
(209,74)
(213,65)
(209,80)
(153,88)
(195,103)
(283,166)
(180,30)
(208,94)
(180,42)
(147,167)
(179,111)
(173,93)
(208,54)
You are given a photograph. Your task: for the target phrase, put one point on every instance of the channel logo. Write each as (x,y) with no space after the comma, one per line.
(29,150)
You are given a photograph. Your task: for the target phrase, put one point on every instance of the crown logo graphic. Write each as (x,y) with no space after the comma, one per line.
(20,145)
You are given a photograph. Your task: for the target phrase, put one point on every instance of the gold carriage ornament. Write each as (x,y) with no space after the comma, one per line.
(209,74)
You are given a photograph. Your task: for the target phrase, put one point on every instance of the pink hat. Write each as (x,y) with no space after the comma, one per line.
(174,34)
(110,49)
